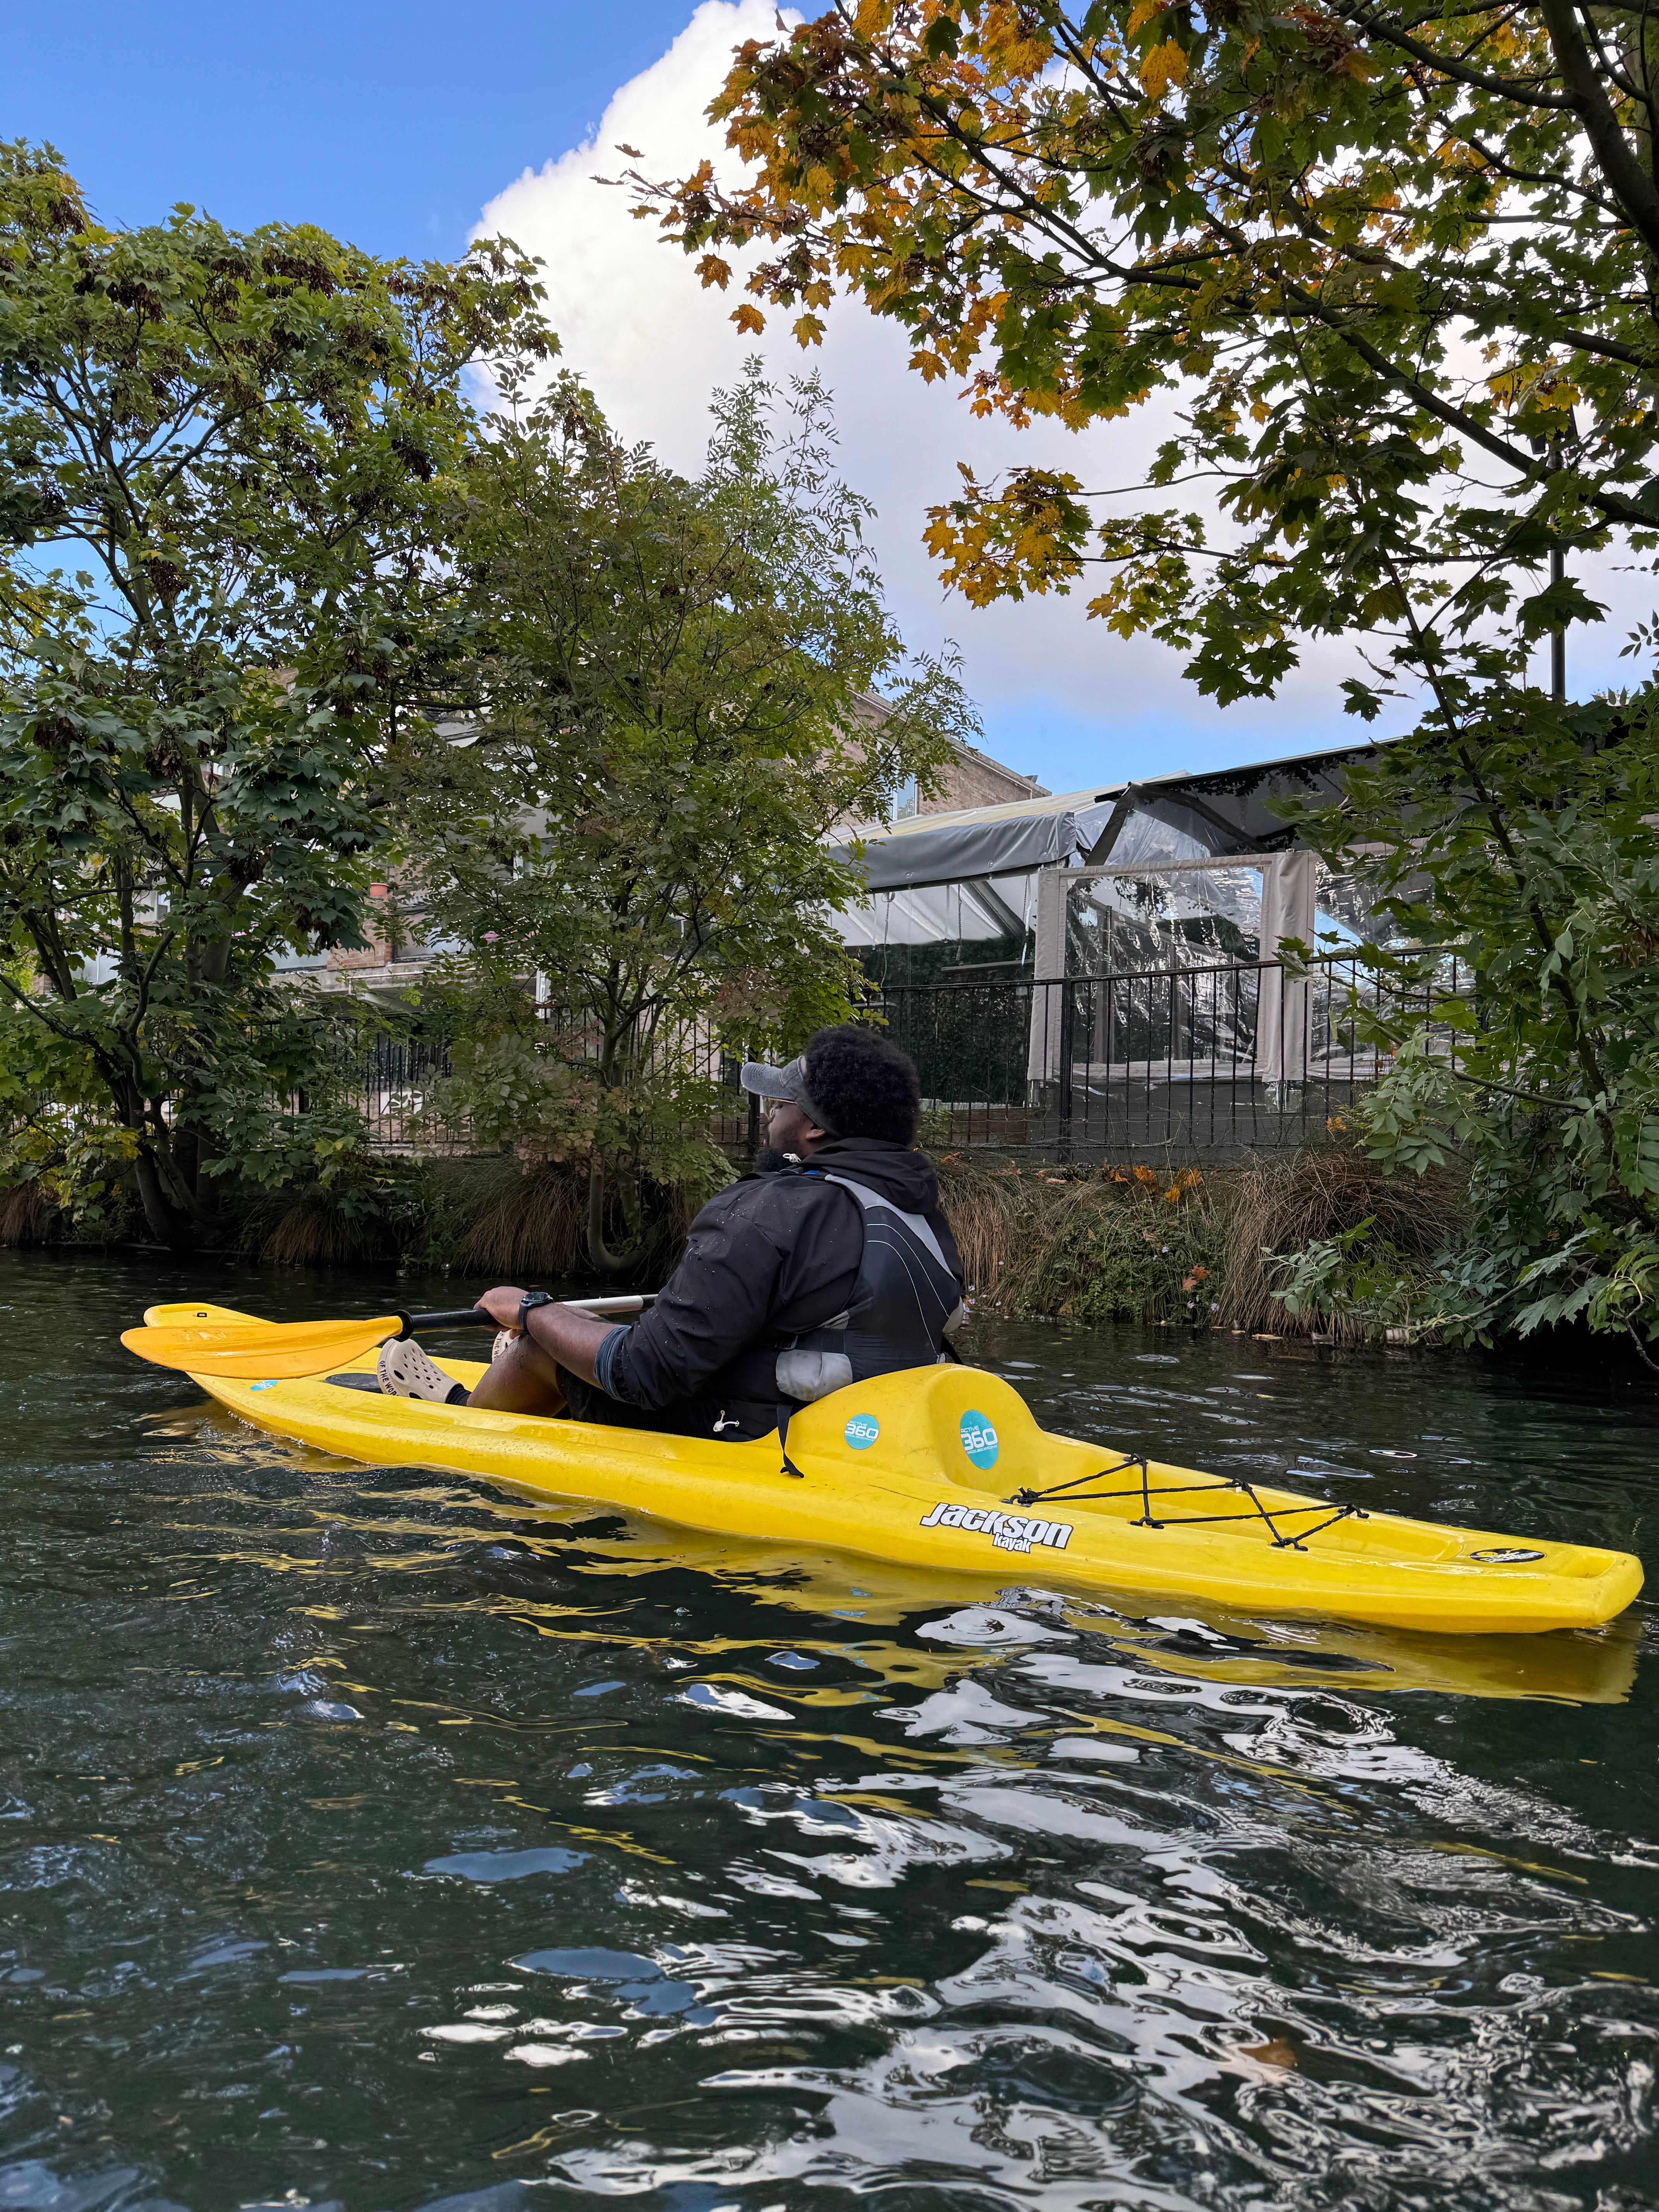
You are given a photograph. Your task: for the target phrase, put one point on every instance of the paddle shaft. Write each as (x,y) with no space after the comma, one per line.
(475,1317)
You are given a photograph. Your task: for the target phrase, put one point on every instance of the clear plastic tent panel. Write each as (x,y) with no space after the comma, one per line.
(1143,839)
(1198,918)
(1122,923)
(943,913)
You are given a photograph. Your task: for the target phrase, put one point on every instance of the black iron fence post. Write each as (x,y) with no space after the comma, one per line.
(1067,1056)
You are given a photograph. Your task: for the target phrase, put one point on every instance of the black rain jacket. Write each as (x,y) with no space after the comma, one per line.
(773,1255)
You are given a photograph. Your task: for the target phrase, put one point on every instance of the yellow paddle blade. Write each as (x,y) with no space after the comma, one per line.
(261,1350)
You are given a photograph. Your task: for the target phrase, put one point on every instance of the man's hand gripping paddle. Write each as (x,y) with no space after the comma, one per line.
(261,1350)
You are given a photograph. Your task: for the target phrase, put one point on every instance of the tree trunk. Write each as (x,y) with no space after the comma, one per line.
(169,1225)
(607,1262)
(185,1155)
(192,1148)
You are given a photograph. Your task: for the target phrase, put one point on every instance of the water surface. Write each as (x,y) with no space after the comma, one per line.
(373,1839)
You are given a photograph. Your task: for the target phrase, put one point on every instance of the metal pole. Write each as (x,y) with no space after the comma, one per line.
(1558,571)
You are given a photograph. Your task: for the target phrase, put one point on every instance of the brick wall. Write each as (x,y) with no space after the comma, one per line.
(378,951)
(973,778)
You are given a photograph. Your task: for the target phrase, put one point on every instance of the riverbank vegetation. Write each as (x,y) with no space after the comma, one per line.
(1176,1247)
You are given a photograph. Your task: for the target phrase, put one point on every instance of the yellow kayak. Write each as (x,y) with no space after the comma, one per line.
(944,1468)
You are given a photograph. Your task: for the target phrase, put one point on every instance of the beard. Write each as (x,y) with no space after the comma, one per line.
(768,1161)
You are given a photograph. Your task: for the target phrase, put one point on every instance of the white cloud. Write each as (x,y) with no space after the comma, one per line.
(1061,696)
(634,321)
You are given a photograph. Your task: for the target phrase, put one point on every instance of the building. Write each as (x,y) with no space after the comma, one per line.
(973,779)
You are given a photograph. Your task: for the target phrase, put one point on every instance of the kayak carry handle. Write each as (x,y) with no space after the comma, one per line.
(475,1317)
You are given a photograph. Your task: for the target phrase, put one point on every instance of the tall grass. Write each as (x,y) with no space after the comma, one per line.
(28,1217)
(534,1228)
(1123,1244)
(1138,1245)
(1285,1204)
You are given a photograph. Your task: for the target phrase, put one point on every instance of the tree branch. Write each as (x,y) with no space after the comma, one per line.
(1392,33)
(1633,188)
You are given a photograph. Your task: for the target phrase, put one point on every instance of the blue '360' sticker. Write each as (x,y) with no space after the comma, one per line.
(979,1439)
(862,1430)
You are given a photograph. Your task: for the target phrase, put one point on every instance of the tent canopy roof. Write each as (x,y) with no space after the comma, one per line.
(980,840)
(1225,811)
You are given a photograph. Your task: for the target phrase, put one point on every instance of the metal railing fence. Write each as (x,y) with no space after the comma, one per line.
(1222,1060)
(1216,1060)
(396,1081)
(1203,1061)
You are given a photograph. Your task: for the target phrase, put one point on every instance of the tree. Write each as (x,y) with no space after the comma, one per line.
(1544,1078)
(1373,254)
(681,685)
(1391,273)
(236,438)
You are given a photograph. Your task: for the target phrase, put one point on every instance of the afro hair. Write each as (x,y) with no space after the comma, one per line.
(864,1083)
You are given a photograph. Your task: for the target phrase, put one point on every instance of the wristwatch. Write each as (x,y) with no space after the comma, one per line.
(528,1303)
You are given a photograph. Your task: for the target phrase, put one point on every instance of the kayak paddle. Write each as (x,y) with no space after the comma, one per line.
(269,1350)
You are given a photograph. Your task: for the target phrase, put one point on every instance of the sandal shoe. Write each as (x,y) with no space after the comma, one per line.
(406,1372)
(505,1341)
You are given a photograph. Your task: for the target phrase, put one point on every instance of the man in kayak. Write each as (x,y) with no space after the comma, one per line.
(830,1263)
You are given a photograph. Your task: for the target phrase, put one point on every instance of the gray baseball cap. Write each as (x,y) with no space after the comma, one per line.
(788,1083)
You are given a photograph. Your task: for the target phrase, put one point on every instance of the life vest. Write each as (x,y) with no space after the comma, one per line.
(906,1306)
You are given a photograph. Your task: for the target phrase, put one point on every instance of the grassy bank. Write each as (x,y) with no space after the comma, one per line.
(1181,1247)
(1169,1247)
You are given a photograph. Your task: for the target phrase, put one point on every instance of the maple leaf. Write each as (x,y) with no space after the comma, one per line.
(1165,65)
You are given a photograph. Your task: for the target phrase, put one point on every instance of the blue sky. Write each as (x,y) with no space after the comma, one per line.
(390,126)
(396,127)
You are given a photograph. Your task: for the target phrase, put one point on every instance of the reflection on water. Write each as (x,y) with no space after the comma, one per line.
(373,1839)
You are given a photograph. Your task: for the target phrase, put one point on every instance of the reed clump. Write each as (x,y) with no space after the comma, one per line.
(532,1227)
(28,1217)
(315,1233)
(1123,1244)
(1282,1206)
